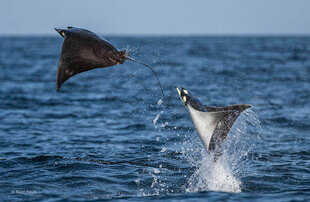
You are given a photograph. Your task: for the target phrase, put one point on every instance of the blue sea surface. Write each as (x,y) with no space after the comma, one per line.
(109,135)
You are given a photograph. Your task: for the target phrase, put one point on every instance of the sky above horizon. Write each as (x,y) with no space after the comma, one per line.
(153,17)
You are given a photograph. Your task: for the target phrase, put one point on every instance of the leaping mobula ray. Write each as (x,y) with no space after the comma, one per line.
(212,123)
(83,50)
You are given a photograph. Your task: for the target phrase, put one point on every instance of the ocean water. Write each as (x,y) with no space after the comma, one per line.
(108,134)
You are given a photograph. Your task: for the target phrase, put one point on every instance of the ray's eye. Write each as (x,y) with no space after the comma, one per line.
(63,33)
(185,91)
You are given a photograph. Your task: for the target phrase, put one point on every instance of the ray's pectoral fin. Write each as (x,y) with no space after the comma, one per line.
(222,129)
(206,123)
(77,60)
(213,126)
(67,70)
(224,125)
(237,107)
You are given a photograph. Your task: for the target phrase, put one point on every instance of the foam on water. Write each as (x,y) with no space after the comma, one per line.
(213,177)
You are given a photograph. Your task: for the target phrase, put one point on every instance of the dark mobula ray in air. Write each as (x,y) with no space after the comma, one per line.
(83,50)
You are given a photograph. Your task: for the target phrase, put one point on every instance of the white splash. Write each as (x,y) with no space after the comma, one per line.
(164,149)
(156,171)
(137,181)
(160,102)
(164,124)
(213,177)
(223,175)
(156,118)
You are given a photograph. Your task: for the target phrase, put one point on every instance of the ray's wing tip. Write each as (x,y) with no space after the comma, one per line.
(58,85)
(248,106)
(245,107)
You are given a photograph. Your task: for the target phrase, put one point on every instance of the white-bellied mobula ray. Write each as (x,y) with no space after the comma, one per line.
(212,123)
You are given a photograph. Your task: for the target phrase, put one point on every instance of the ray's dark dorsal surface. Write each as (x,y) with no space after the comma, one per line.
(83,50)
(212,123)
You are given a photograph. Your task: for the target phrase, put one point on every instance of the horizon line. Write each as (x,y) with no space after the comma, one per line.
(168,34)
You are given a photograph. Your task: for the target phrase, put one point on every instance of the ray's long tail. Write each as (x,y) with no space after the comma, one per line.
(134,60)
